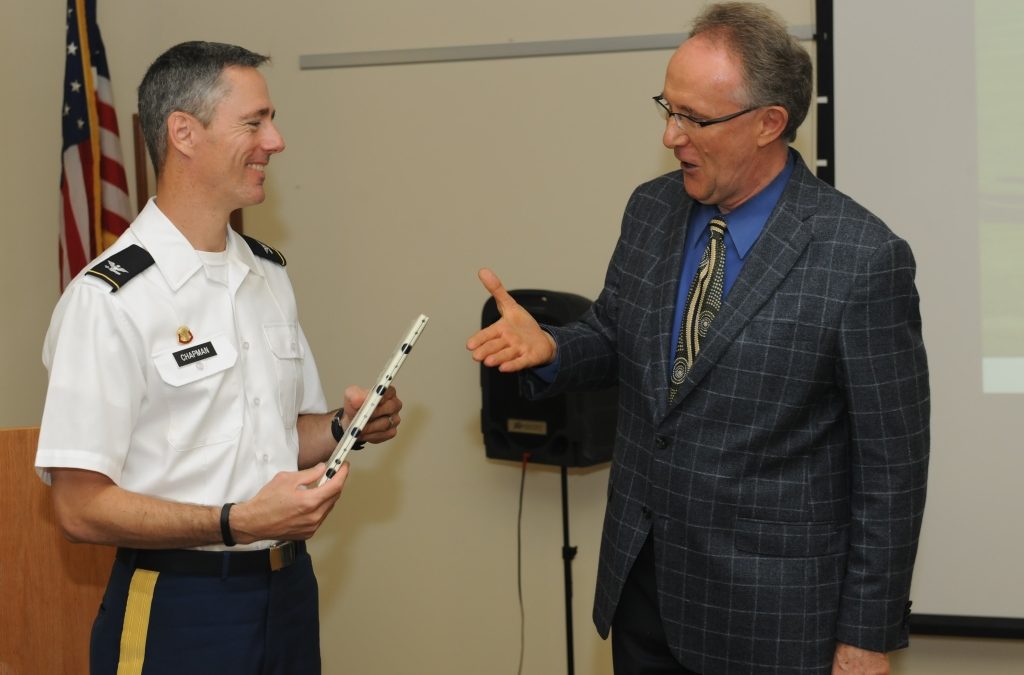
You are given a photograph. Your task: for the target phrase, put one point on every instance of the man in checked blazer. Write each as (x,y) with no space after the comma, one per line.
(766,519)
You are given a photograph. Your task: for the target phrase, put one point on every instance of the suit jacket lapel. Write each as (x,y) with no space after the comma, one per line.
(663,341)
(782,241)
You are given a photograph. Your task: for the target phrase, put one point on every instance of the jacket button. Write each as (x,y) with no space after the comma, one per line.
(646,512)
(660,442)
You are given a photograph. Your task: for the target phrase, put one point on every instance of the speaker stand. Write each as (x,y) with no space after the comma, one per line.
(568,553)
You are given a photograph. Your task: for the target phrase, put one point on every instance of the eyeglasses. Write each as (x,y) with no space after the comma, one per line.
(666,111)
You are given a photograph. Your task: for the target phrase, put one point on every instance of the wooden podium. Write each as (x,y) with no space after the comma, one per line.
(50,589)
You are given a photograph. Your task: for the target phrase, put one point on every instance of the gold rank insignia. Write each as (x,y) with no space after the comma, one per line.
(184,335)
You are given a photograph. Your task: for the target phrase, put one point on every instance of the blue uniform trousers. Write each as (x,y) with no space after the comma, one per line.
(161,623)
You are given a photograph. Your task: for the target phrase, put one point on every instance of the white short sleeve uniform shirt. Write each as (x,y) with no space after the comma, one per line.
(205,418)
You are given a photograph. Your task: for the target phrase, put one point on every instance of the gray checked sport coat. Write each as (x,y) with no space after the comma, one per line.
(785,485)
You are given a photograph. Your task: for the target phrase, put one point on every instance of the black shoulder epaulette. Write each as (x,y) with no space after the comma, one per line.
(264,251)
(122,267)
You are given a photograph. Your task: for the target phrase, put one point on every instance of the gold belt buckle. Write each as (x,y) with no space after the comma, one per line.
(282,554)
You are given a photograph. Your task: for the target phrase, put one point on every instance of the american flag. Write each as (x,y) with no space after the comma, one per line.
(93,187)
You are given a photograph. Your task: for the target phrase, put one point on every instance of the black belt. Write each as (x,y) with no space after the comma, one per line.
(213,563)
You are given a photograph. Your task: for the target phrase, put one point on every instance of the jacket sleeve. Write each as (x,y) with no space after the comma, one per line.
(884,374)
(588,347)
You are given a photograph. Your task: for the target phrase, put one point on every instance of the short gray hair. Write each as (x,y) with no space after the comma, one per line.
(186,78)
(776,68)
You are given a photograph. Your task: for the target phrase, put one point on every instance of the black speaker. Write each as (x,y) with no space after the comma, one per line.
(572,429)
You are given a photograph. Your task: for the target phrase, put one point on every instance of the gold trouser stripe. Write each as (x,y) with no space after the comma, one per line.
(136,622)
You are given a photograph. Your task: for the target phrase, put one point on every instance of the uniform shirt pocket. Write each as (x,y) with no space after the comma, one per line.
(285,345)
(195,376)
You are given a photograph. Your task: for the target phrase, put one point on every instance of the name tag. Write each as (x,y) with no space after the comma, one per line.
(194,354)
(183,365)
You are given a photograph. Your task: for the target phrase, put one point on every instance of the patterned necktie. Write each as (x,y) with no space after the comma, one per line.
(702,304)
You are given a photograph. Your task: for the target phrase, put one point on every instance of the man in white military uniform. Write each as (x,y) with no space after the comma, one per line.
(185,421)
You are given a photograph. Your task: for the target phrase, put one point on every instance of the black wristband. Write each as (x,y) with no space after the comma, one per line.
(225,526)
(336,429)
(338,432)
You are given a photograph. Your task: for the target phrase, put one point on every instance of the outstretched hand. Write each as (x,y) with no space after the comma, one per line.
(513,342)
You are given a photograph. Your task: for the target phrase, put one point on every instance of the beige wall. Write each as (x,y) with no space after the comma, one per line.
(398,183)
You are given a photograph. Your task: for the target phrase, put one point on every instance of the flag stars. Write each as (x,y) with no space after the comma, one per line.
(81,124)
(67,109)
(76,86)
(72,49)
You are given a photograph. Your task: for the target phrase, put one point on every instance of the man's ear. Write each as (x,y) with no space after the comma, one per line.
(773,124)
(182,130)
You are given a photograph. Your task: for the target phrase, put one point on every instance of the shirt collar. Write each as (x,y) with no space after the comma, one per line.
(172,252)
(239,252)
(744,224)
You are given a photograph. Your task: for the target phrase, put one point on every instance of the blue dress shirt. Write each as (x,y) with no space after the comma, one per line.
(743,227)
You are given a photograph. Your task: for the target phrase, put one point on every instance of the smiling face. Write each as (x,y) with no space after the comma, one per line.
(721,163)
(235,147)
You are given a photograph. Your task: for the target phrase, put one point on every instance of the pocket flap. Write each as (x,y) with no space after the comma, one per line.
(790,540)
(283,339)
(193,362)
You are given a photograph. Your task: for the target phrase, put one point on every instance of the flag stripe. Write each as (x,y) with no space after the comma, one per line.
(74,251)
(113,221)
(78,197)
(111,171)
(106,115)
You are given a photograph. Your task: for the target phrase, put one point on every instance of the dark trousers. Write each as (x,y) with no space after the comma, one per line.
(639,646)
(247,624)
